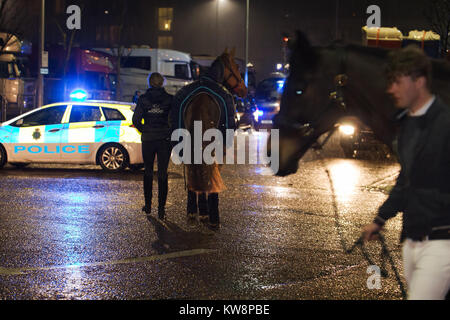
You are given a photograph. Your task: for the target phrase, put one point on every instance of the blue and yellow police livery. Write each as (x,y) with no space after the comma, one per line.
(88,132)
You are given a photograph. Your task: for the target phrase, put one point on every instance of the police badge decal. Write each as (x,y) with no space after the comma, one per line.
(37,134)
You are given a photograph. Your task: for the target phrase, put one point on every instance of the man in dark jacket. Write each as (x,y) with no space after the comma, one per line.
(422,190)
(154,107)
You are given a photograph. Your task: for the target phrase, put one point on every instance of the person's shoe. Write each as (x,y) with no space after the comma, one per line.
(161,214)
(147,209)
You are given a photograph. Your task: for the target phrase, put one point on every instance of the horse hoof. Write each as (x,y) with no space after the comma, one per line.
(191,216)
(213,226)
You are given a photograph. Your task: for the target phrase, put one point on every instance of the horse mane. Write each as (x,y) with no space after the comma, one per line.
(217,69)
(304,56)
(372,51)
(307,57)
(441,69)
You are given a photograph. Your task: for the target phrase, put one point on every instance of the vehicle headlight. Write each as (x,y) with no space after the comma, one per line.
(347,129)
(257,114)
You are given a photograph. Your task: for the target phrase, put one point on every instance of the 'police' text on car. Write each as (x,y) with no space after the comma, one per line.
(88,132)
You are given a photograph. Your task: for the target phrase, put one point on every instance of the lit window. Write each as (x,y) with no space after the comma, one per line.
(165,18)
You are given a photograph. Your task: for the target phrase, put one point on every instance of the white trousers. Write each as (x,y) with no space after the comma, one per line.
(427,269)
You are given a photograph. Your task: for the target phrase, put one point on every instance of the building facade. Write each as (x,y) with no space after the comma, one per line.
(209,26)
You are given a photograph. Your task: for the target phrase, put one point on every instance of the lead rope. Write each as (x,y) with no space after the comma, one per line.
(184,177)
(385,253)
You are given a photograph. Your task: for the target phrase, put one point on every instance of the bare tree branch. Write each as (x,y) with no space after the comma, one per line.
(438,16)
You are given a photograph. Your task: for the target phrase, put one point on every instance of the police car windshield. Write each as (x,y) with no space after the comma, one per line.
(47,116)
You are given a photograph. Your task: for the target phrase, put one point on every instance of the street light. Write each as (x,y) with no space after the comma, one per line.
(337,19)
(40,93)
(246,42)
(217,26)
(247,11)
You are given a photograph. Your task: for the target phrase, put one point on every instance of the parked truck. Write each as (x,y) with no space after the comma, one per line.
(14,87)
(137,63)
(89,70)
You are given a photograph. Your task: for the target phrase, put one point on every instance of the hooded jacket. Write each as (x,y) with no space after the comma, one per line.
(153,107)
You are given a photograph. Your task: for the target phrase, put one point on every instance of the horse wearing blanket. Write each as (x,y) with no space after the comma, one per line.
(207,103)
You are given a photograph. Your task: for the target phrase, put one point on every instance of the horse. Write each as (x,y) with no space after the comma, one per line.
(327,84)
(204,180)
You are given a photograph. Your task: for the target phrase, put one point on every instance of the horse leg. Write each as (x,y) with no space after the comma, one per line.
(202,206)
(213,206)
(191,204)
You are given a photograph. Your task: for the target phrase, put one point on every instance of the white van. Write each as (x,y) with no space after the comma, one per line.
(137,63)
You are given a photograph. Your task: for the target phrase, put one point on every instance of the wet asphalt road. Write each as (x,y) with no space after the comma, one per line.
(76,232)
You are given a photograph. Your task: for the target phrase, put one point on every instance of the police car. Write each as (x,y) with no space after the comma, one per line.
(78,132)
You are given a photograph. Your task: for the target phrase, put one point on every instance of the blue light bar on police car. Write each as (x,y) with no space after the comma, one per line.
(78,94)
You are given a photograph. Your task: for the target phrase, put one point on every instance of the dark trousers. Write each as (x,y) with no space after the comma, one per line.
(161,149)
(206,205)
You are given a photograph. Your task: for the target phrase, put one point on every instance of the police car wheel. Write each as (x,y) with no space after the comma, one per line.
(2,156)
(113,158)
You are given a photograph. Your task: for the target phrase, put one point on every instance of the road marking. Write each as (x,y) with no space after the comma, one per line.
(172,255)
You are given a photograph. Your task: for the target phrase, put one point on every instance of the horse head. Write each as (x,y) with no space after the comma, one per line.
(324,85)
(232,79)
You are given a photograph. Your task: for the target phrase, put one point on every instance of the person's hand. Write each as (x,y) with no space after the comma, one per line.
(370,231)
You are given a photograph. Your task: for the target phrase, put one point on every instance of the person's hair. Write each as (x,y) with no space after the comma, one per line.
(155,80)
(409,61)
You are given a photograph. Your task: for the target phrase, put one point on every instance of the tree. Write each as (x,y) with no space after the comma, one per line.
(119,47)
(67,37)
(438,15)
(124,34)
(14,19)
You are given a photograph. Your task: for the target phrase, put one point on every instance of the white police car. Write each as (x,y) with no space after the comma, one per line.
(88,132)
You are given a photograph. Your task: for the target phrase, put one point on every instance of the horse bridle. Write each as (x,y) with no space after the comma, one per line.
(306,129)
(336,98)
(231,75)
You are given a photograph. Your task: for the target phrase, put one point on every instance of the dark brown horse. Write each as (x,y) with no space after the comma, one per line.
(204,180)
(329,83)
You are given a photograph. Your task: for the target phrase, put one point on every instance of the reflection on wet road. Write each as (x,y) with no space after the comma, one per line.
(345,177)
(75,232)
